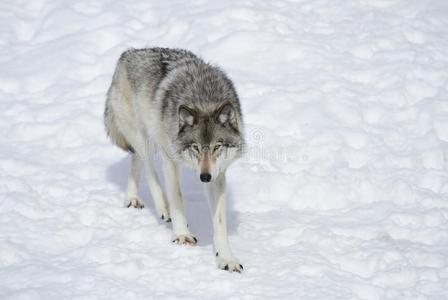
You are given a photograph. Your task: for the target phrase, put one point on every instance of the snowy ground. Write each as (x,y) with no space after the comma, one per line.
(343,193)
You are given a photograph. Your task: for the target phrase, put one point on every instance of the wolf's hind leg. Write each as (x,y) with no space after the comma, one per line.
(132,198)
(156,191)
(181,233)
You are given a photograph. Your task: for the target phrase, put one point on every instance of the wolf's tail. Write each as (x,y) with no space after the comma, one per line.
(112,129)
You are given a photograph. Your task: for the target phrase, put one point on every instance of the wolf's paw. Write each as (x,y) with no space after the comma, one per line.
(164,215)
(229,264)
(134,202)
(184,239)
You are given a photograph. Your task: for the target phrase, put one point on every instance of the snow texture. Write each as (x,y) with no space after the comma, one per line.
(342,194)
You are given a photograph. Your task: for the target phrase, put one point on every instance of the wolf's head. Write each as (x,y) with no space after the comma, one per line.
(210,140)
(200,103)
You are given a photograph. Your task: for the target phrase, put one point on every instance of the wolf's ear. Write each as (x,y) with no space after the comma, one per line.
(226,114)
(186,116)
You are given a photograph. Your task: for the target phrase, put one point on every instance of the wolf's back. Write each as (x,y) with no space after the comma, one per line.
(151,65)
(138,71)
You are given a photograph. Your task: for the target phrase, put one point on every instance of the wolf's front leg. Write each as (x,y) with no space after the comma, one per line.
(217,200)
(181,233)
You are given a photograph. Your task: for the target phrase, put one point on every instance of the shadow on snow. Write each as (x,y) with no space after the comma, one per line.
(196,204)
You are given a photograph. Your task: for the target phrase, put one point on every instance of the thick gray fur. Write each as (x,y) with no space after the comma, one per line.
(195,84)
(173,101)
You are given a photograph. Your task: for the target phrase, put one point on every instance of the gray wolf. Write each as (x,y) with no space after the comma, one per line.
(172,102)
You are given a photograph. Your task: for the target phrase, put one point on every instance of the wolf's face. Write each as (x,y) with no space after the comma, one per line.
(209,142)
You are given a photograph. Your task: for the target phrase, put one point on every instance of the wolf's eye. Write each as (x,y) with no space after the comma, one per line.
(195,147)
(217,147)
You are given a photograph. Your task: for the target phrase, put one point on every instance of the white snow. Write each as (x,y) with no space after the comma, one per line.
(342,194)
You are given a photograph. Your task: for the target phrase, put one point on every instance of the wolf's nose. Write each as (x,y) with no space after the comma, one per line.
(205,177)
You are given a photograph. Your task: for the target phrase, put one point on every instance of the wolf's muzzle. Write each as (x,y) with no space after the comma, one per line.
(205,177)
